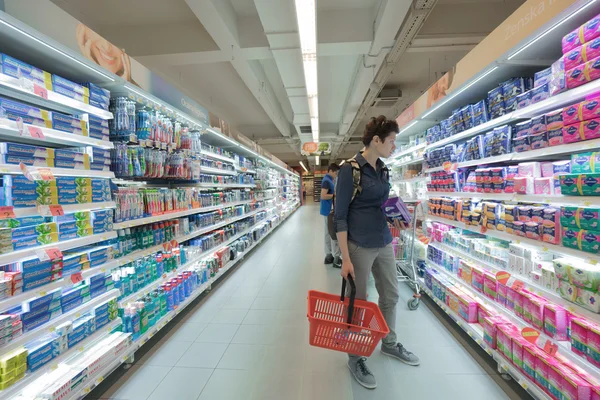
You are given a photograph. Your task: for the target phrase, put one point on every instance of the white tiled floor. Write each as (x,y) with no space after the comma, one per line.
(249,340)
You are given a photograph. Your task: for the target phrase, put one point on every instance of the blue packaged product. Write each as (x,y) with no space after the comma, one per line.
(480,114)
(71,94)
(61,163)
(67,84)
(61,126)
(74,293)
(69,181)
(18,108)
(35,240)
(100,153)
(99,252)
(34,262)
(68,120)
(496,97)
(97,280)
(97,121)
(66,307)
(25,150)
(542,77)
(511,104)
(97,89)
(35,323)
(74,339)
(497,111)
(100,322)
(524,100)
(467,116)
(523,128)
(26,231)
(95,292)
(42,123)
(95,103)
(512,88)
(102,214)
(540,93)
(96,98)
(99,261)
(100,310)
(100,167)
(97,135)
(24,221)
(69,155)
(538,140)
(17,68)
(538,124)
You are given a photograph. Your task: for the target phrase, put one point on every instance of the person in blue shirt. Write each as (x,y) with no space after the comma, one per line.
(332,250)
(365,239)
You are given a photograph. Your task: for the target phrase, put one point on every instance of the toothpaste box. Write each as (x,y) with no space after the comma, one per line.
(31,192)
(75,293)
(17,69)
(25,221)
(97,90)
(69,124)
(39,230)
(71,94)
(69,155)
(99,134)
(29,161)
(60,126)
(18,108)
(67,84)
(97,121)
(62,163)
(100,167)
(98,104)
(42,123)
(71,182)
(25,150)
(35,240)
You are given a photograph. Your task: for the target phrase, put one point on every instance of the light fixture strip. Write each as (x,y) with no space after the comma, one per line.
(306,15)
(303,166)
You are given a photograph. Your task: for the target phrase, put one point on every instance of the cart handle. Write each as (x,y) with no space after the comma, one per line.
(352,296)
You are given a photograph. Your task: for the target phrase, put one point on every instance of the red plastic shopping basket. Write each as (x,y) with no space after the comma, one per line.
(347,325)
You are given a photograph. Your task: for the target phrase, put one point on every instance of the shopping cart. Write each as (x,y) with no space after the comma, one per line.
(347,325)
(407,266)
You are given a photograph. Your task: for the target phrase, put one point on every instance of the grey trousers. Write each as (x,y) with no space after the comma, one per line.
(382,263)
(331,246)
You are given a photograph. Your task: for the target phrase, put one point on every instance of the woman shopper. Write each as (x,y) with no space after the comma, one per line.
(364,237)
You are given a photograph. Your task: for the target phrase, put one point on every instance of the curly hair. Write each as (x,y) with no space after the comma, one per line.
(380,126)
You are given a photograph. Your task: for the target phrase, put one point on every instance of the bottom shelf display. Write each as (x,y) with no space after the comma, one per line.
(75,373)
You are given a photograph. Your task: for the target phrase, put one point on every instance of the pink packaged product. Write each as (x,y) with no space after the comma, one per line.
(477,279)
(555,137)
(533,230)
(502,293)
(527,308)
(538,124)
(564,384)
(490,329)
(583,111)
(591,129)
(579,336)
(484,312)
(518,344)
(547,169)
(593,344)
(504,333)
(558,82)
(530,355)
(554,119)
(555,321)
(542,369)
(551,226)
(576,77)
(544,186)
(524,185)
(536,309)
(467,309)
(538,140)
(585,33)
(573,133)
(532,169)
(514,301)
(490,287)
(523,129)
(582,54)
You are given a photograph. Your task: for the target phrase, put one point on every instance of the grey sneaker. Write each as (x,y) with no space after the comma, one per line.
(361,372)
(328,259)
(398,351)
(337,263)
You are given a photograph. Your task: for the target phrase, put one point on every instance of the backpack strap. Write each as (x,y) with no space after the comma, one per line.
(356,177)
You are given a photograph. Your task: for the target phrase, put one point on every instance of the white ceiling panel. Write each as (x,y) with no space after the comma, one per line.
(290,67)
(299,105)
(334,75)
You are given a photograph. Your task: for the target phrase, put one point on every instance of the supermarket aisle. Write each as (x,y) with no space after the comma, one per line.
(249,340)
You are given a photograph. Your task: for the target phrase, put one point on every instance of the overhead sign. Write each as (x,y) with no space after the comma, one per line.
(316,149)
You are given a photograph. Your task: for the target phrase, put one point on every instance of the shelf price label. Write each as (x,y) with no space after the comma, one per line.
(550,347)
(52,253)
(53,210)
(7,212)
(40,91)
(530,334)
(506,279)
(76,277)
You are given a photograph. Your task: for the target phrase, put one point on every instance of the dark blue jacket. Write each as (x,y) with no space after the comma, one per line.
(363,218)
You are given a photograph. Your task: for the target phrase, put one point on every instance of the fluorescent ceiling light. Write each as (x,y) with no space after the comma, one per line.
(454,94)
(408,126)
(307,26)
(313,106)
(310,74)
(317,160)
(315,136)
(303,166)
(57,50)
(562,21)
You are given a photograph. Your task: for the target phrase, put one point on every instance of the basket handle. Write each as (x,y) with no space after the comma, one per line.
(352,296)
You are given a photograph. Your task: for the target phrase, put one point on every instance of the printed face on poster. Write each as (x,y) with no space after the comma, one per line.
(316,149)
